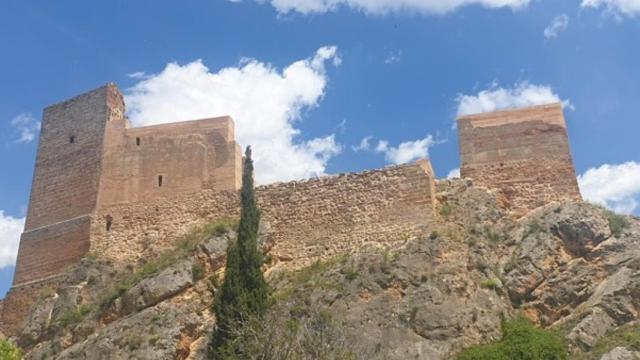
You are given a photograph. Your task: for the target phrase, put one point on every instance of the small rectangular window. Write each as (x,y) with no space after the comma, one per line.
(159,180)
(138,141)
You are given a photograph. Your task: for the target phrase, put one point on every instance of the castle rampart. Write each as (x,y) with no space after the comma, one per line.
(306,220)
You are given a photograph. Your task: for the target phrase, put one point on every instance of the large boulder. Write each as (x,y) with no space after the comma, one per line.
(581,226)
(153,290)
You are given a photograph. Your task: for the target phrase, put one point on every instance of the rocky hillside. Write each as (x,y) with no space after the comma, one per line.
(571,267)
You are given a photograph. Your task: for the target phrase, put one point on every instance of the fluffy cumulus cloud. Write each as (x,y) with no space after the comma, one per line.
(629,8)
(381,7)
(558,24)
(365,144)
(407,151)
(10,230)
(26,126)
(266,103)
(614,186)
(497,98)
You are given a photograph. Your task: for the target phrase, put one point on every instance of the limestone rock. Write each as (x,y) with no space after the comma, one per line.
(215,249)
(581,226)
(158,288)
(37,322)
(165,326)
(620,353)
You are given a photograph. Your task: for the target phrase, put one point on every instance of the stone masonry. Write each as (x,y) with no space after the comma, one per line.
(304,220)
(524,153)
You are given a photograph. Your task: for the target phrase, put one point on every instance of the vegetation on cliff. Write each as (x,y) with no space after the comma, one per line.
(8,351)
(520,341)
(244,292)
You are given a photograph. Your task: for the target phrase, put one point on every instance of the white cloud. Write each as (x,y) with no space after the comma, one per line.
(264,102)
(137,75)
(406,151)
(365,144)
(27,126)
(454,173)
(393,58)
(614,186)
(618,8)
(497,98)
(380,7)
(559,24)
(10,230)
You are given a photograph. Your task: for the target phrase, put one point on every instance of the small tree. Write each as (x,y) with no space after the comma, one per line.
(8,351)
(244,292)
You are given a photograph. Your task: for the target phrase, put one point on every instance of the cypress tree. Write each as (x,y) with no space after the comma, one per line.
(244,292)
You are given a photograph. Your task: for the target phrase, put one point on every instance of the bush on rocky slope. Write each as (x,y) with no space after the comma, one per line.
(8,351)
(520,341)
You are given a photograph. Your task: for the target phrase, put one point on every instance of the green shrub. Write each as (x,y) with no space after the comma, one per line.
(617,223)
(197,272)
(534,228)
(350,272)
(222,226)
(74,316)
(8,351)
(446,210)
(520,341)
(490,284)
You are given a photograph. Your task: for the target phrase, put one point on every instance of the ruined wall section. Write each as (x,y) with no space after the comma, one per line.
(306,220)
(524,153)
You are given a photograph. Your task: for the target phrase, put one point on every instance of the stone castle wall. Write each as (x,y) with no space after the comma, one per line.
(524,153)
(305,220)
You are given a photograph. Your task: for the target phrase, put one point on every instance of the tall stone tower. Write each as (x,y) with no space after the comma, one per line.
(523,152)
(66,182)
(89,158)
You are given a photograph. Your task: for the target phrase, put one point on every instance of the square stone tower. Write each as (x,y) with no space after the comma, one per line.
(524,153)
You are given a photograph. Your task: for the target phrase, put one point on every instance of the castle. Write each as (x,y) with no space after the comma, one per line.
(103,187)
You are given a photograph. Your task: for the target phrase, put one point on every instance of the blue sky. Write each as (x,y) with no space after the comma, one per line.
(328,86)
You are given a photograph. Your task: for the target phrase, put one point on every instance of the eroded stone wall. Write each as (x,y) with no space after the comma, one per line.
(524,153)
(306,220)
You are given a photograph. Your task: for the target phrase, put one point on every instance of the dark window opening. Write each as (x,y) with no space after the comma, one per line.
(159,180)
(109,222)
(138,141)
(72,139)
